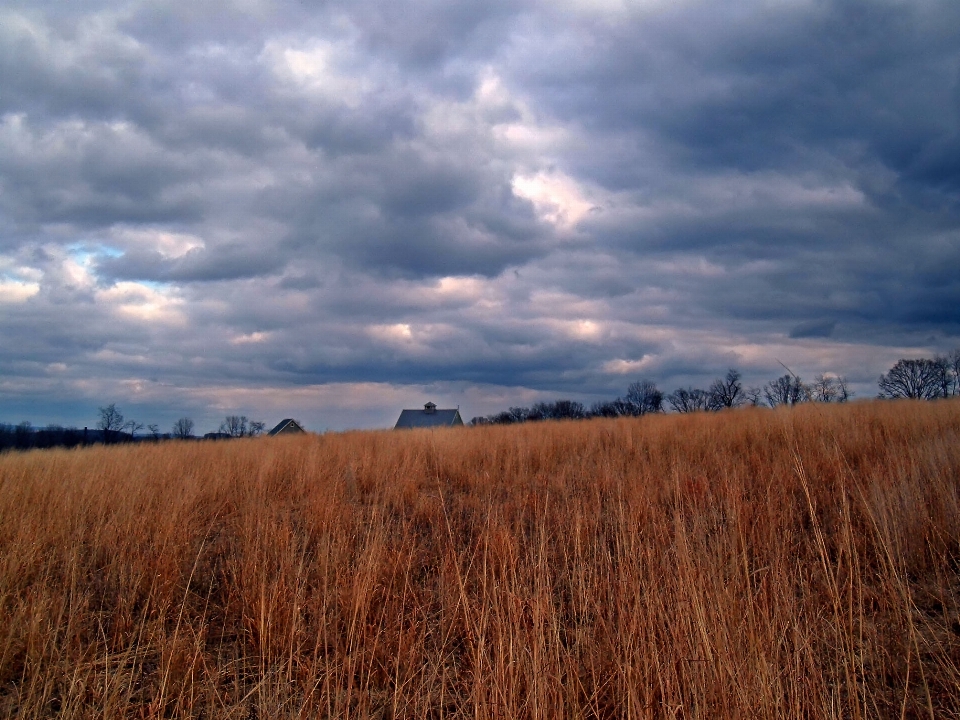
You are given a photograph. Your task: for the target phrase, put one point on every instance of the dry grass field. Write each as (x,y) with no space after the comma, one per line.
(765,564)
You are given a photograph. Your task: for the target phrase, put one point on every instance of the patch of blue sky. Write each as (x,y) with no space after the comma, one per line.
(157,285)
(83,253)
(12,271)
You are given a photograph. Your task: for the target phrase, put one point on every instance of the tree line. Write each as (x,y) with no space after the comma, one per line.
(113,424)
(113,427)
(922,378)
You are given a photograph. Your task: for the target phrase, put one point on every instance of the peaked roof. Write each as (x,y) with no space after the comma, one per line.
(287,425)
(430,416)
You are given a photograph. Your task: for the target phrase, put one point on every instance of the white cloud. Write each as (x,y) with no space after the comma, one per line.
(317,69)
(16,291)
(395,333)
(141,302)
(250,338)
(170,244)
(558,198)
(628,367)
(583,330)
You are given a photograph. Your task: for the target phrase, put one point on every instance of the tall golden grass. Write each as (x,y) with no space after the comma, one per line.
(800,563)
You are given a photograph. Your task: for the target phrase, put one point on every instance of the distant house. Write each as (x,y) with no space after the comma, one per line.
(430,416)
(287,427)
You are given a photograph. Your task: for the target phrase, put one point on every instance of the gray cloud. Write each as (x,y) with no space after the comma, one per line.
(814,329)
(225,206)
(196,265)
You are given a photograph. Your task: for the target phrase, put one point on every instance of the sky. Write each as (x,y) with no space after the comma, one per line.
(335,210)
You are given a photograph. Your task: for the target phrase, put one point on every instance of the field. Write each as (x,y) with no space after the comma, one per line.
(798,563)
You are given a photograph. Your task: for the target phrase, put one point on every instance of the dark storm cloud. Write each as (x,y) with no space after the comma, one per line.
(402,212)
(202,202)
(785,131)
(197,265)
(813,329)
(430,33)
(762,85)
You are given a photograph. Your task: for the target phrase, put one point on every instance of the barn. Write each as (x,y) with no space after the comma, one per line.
(429,417)
(287,426)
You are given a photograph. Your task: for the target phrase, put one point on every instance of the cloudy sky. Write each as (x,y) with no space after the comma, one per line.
(334,210)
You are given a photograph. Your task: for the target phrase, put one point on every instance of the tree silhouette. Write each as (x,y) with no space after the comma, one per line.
(684,400)
(727,392)
(827,388)
(234,425)
(111,421)
(611,408)
(643,397)
(183,428)
(918,379)
(240,426)
(954,359)
(786,390)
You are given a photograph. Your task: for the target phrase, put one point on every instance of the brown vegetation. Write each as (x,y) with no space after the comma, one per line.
(797,563)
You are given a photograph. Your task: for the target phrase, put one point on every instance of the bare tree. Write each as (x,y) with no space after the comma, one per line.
(537,411)
(918,379)
(727,392)
(825,389)
(844,392)
(830,388)
(944,372)
(133,427)
(565,410)
(154,430)
(643,397)
(684,400)
(111,421)
(183,428)
(557,410)
(786,390)
(954,359)
(239,426)
(518,414)
(234,425)
(610,408)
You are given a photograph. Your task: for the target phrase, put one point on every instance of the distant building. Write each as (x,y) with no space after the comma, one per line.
(430,416)
(289,426)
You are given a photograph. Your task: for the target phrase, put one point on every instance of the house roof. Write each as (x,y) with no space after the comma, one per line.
(287,425)
(430,416)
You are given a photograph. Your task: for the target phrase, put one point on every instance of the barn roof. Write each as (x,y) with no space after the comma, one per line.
(430,416)
(287,425)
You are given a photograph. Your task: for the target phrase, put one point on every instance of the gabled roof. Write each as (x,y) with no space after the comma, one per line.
(430,416)
(287,425)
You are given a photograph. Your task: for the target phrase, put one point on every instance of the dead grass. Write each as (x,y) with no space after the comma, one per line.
(749,564)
